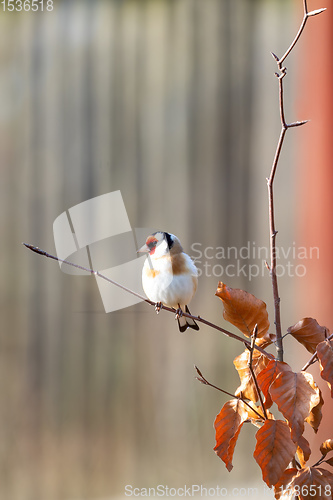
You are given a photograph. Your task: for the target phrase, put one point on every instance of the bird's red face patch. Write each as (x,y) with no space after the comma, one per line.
(151,243)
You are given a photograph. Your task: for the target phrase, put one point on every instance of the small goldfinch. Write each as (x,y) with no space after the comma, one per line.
(169,275)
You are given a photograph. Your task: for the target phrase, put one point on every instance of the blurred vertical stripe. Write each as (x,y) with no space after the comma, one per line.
(314,188)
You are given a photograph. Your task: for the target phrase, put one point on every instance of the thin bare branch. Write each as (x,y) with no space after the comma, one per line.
(301,28)
(144,299)
(204,381)
(39,251)
(297,37)
(314,357)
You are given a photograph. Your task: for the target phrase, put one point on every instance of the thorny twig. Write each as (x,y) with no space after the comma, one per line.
(314,357)
(150,302)
(282,71)
(204,381)
(322,459)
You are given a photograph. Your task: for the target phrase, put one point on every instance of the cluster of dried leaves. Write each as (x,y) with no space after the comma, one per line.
(281,451)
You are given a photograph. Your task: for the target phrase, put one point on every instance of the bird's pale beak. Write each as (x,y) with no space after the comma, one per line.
(143,249)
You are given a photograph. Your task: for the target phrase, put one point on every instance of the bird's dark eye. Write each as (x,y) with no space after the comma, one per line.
(151,243)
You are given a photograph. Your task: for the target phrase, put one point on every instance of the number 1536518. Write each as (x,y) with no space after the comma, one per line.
(26,5)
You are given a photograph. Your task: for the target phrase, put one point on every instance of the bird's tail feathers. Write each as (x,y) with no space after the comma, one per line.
(184,323)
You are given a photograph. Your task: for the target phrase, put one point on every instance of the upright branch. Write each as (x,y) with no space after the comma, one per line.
(282,71)
(254,378)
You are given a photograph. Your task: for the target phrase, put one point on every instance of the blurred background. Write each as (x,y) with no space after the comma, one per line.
(174,103)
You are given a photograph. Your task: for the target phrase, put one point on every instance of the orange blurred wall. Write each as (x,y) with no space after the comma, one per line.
(314,181)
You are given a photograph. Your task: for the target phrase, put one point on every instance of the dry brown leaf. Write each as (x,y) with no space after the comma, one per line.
(281,490)
(313,483)
(267,376)
(326,447)
(274,450)
(295,395)
(266,340)
(247,388)
(228,424)
(316,415)
(303,450)
(309,333)
(243,310)
(325,356)
(329,461)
